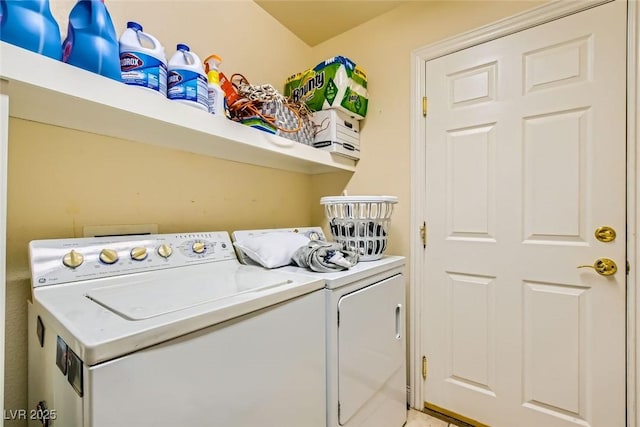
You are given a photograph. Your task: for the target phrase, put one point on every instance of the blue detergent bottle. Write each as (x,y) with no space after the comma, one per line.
(91,41)
(30,25)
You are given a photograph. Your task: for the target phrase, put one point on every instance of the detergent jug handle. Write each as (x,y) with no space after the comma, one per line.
(93,10)
(190,57)
(95,7)
(149,39)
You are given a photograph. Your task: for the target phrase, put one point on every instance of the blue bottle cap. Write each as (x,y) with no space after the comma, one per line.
(183,47)
(134,26)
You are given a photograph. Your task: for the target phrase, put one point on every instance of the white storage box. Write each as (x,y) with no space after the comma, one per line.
(337,132)
(360,223)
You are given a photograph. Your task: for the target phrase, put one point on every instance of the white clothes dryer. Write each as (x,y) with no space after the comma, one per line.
(171,330)
(366,339)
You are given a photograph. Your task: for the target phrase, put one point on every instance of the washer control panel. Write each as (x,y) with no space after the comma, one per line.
(58,261)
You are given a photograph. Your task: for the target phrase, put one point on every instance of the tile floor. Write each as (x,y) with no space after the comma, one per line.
(419,419)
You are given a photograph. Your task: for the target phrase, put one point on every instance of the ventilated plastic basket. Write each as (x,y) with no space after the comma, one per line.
(360,223)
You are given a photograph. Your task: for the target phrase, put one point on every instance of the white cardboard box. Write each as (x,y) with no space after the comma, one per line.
(337,132)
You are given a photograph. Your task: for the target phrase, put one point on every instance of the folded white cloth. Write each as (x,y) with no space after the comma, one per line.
(272,250)
(324,257)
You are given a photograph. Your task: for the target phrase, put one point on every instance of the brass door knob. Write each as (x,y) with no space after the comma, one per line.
(603,266)
(605,234)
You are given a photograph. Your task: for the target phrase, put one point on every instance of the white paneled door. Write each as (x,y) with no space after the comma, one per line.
(525,160)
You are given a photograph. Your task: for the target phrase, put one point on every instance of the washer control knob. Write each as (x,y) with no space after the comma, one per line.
(108,256)
(165,251)
(198,247)
(139,254)
(73,259)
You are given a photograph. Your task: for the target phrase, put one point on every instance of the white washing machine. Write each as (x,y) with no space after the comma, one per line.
(366,344)
(171,330)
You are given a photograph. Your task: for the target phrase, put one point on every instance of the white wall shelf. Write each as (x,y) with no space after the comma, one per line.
(49,91)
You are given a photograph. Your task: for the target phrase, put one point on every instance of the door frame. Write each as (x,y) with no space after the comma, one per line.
(4,153)
(527,19)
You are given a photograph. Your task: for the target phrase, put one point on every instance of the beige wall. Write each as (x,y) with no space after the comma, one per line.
(62,180)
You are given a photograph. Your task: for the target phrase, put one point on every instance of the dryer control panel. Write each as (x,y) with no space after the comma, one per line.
(58,261)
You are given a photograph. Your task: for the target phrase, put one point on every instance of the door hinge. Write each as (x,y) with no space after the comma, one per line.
(628,267)
(338,410)
(338,317)
(423,234)
(424,367)
(424,106)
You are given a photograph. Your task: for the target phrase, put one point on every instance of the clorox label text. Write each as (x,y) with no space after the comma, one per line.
(129,61)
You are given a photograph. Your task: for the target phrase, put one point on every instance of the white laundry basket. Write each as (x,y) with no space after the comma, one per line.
(360,223)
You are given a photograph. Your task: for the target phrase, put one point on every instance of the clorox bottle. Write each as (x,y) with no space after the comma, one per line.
(91,41)
(142,59)
(30,25)
(186,81)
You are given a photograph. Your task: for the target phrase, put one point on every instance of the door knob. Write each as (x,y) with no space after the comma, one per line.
(603,266)
(605,234)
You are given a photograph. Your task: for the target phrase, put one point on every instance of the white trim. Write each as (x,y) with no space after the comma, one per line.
(533,17)
(417,207)
(519,22)
(633,210)
(4,151)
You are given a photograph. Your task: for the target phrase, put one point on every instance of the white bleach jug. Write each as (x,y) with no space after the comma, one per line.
(186,81)
(142,59)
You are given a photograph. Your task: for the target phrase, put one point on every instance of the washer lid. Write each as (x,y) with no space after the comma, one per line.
(145,300)
(105,318)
